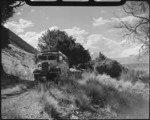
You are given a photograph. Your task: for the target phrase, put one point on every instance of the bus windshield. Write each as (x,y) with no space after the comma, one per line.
(42,58)
(52,57)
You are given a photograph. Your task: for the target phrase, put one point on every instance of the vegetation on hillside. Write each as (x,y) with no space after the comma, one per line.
(99,94)
(104,65)
(108,90)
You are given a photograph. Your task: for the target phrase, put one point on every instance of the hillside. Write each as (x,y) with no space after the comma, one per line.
(132,62)
(17,55)
(8,37)
(133,59)
(90,97)
(81,95)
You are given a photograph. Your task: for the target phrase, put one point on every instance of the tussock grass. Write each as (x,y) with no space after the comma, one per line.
(134,76)
(50,105)
(82,100)
(123,97)
(12,115)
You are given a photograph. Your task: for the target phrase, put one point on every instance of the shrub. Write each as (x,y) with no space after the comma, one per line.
(133,105)
(98,91)
(109,67)
(95,92)
(123,97)
(12,115)
(70,82)
(51,111)
(50,105)
(82,100)
(134,75)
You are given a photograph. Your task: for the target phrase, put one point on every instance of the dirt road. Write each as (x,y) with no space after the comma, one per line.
(20,102)
(23,101)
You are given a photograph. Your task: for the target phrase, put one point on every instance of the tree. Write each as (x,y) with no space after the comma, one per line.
(7,8)
(59,40)
(137,30)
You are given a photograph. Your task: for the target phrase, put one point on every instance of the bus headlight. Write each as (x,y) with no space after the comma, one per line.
(39,66)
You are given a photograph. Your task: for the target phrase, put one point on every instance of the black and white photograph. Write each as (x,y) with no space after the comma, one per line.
(75,59)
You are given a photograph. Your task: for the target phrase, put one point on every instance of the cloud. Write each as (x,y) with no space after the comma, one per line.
(101,21)
(53,28)
(77,33)
(130,51)
(97,43)
(32,10)
(32,38)
(46,18)
(129,19)
(18,13)
(19,26)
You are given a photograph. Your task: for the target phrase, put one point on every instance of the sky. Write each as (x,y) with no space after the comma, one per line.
(90,26)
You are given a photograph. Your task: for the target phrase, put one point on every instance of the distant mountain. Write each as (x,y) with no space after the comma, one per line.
(133,59)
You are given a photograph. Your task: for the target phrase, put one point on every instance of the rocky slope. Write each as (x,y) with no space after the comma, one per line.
(17,62)
(17,55)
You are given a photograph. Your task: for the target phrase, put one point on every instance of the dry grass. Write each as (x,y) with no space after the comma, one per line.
(12,115)
(82,100)
(49,104)
(123,97)
(134,76)
(119,96)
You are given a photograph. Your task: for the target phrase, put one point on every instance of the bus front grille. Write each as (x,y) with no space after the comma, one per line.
(45,67)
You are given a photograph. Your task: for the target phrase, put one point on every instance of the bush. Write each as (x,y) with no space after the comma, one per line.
(69,81)
(50,105)
(82,100)
(109,67)
(123,97)
(134,76)
(100,94)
